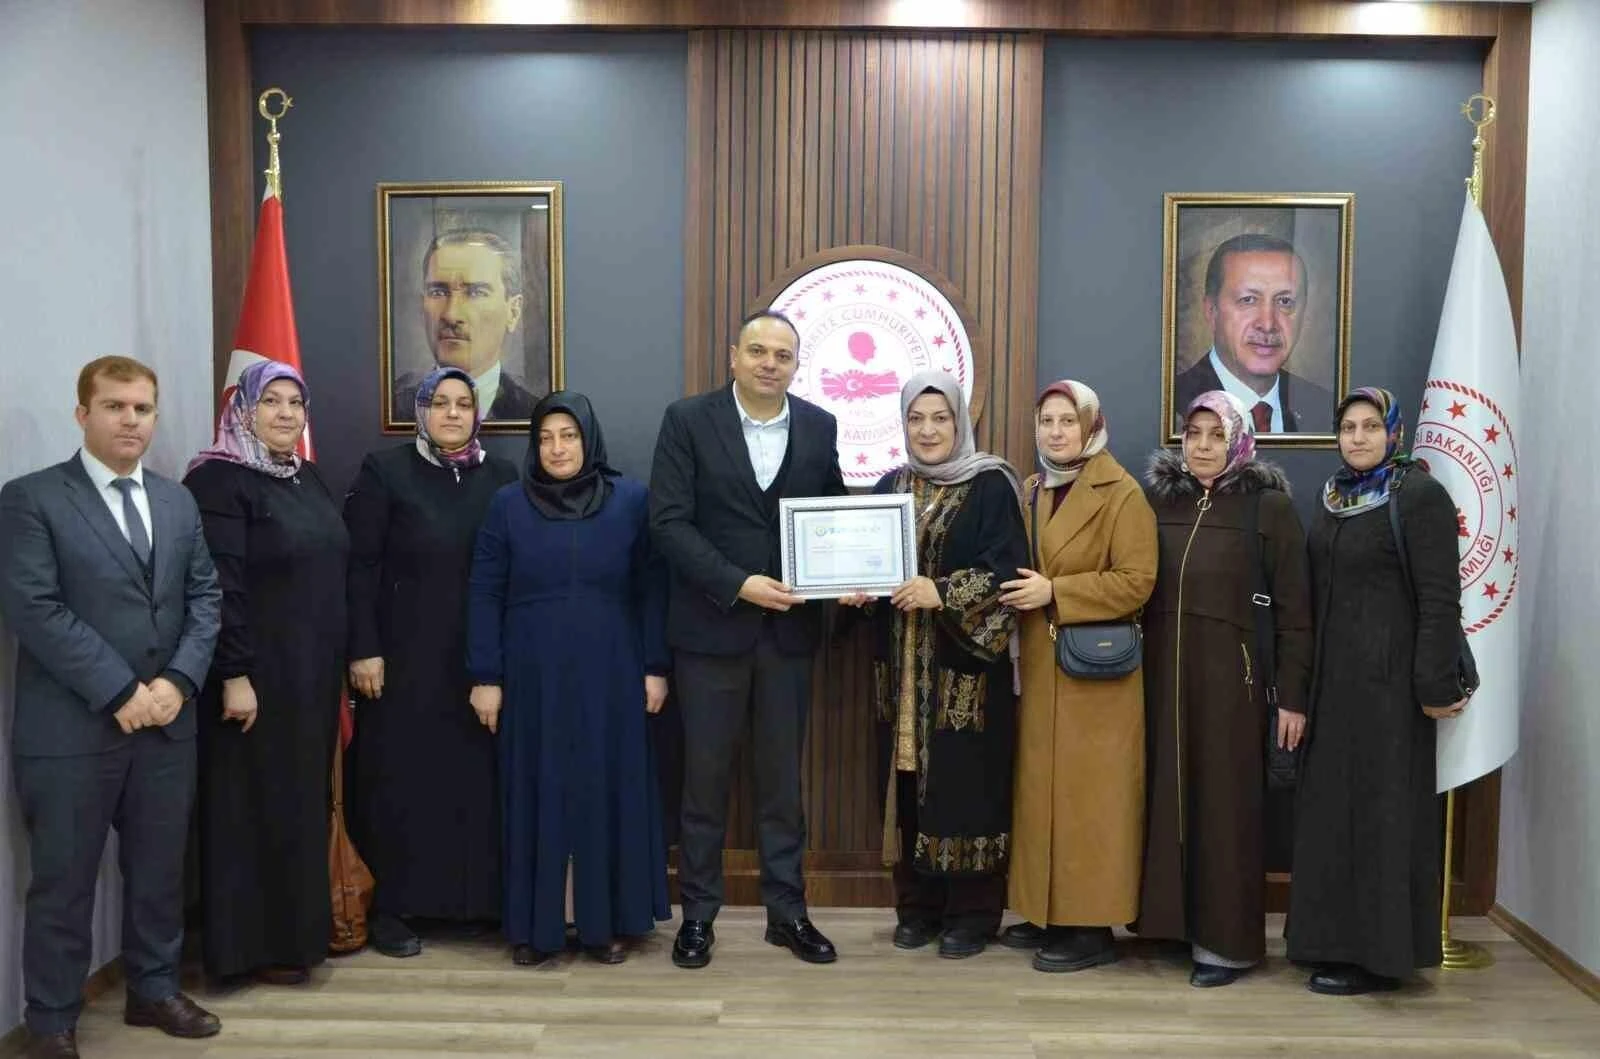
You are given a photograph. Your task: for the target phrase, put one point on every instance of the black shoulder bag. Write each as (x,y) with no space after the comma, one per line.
(1466,664)
(1091,650)
(1283,765)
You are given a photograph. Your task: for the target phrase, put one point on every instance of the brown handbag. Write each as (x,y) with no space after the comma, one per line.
(349,879)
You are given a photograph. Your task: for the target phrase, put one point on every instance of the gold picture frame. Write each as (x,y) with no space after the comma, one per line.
(1282,281)
(482,262)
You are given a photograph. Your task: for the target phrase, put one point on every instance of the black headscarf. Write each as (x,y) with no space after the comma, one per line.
(585,492)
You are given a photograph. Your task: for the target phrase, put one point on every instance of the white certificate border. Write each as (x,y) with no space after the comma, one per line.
(902,504)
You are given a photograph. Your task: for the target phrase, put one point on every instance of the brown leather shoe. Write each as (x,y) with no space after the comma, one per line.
(176,1016)
(63,1045)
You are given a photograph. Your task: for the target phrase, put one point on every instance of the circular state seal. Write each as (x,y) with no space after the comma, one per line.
(865,328)
(1465,441)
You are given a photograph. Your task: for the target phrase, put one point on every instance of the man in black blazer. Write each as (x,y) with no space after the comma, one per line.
(107,583)
(1255,290)
(742,642)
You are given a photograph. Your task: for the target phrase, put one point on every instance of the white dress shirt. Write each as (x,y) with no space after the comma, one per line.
(1232,384)
(488,388)
(767,441)
(102,477)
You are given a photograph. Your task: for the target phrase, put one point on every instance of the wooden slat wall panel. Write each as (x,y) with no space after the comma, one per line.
(800,142)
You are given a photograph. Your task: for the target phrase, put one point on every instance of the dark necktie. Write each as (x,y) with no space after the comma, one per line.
(138,536)
(1261,414)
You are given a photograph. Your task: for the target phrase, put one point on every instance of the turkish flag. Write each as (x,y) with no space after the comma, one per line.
(266,331)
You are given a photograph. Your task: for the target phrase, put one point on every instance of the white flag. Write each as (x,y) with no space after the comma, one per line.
(1466,437)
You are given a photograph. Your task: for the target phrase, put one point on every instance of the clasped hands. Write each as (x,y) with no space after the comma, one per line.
(154,705)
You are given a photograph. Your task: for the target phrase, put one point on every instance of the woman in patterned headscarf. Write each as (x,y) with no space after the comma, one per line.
(422,804)
(1079,820)
(269,711)
(1364,903)
(943,679)
(1208,706)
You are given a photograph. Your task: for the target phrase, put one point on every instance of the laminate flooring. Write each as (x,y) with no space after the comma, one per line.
(466,998)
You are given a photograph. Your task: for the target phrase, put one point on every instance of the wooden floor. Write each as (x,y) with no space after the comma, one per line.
(465,998)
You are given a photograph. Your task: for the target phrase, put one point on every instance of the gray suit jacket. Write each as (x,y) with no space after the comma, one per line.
(88,621)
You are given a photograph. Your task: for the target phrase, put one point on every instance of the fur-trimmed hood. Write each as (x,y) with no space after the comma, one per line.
(1169,481)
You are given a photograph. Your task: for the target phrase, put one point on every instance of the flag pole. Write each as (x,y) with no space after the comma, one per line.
(273,172)
(1461,955)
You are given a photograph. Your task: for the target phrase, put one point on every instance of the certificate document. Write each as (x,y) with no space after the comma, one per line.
(843,545)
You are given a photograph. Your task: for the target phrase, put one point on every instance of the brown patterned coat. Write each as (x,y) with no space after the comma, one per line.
(1078,824)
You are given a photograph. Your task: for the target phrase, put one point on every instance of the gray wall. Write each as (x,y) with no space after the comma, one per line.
(1126,122)
(104,202)
(604,114)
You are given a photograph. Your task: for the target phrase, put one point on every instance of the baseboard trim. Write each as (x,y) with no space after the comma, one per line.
(96,986)
(1573,971)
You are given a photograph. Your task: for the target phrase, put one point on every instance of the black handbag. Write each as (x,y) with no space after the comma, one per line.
(1100,650)
(1466,664)
(1283,764)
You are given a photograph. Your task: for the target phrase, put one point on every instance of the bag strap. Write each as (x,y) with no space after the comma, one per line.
(1261,604)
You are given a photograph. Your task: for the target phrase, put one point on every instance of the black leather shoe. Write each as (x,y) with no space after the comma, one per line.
(613,952)
(802,939)
(528,956)
(63,1045)
(1022,936)
(392,937)
(692,947)
(960,942)
(176,1016)
(1074,949)
(1212,976)
(1350,980)
(915,933)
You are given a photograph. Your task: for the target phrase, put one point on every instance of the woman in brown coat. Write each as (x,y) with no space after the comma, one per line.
(1208,704)
(1078,818)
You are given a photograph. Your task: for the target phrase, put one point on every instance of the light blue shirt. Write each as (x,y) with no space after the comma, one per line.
(767,441)
(102,477)
(1243,392)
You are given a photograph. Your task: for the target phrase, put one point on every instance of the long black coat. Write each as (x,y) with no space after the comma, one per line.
(1367,848)
(421,790)
(1206,726)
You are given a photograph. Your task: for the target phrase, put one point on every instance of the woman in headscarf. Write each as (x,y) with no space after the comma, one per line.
(1364,901)
(1210,709)
(943,679)
(422,802)
(566,651)
(1079,815)
(269,712)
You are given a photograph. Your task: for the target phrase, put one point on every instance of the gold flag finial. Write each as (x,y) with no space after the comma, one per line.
(273,172)
(1479,109)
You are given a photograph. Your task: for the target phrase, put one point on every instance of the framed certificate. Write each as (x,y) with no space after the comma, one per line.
(843,545)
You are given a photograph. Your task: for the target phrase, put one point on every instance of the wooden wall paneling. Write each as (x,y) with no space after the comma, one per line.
(827,135)
(706,128)
(1014,402)
(230,117)
(1201,18)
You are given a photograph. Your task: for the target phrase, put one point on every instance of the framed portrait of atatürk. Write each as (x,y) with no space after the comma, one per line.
(1256,301)
(469,275)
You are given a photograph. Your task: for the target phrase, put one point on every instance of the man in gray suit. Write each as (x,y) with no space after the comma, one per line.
(107,583)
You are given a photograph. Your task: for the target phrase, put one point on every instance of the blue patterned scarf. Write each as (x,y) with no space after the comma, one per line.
(1352,492)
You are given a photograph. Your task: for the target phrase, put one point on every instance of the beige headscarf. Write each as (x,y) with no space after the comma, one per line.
(1090,420)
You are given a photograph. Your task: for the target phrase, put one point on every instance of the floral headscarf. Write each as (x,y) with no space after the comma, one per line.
(1238,431)
(1351,492)
(469,455)
(236,429)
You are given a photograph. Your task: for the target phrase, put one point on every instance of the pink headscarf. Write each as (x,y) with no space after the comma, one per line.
(236,430)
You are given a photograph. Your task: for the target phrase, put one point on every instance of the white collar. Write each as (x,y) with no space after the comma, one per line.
(102,476)
(745,416)
(488,387)
(1242,390)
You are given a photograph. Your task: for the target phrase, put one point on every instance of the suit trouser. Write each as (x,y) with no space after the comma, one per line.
(144,788)
(720,696)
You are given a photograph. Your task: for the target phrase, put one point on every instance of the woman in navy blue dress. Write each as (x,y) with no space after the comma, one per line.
(567,654)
